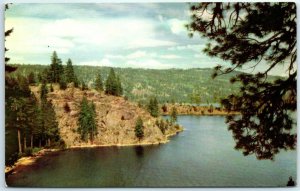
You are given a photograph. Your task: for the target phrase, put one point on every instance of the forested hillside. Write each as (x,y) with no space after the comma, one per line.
(171,85)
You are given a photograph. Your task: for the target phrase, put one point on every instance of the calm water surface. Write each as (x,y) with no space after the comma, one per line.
(202,155)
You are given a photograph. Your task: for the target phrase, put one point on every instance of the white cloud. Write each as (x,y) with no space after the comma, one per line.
(148,42)
(103,62)
(177,26)
(142,54)
(160,18)
(193,47)
(170,56)
(151,63)
(137,54)
(66,36)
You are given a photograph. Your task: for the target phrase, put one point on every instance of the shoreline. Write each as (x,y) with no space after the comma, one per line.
(29,160)
(200,114)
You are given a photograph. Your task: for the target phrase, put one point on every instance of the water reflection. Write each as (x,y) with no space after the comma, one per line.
(139,151)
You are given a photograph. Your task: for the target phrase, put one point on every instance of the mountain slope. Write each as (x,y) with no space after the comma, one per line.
(116,118)
(167,85)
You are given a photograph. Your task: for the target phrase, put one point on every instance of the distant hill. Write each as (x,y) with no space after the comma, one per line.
(178,85)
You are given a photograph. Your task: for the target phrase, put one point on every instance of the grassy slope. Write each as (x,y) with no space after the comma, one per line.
(166,85)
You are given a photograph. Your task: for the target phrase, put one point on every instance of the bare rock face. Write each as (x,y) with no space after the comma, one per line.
(116,119)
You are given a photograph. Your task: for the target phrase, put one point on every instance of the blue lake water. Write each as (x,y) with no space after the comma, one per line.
(202,155)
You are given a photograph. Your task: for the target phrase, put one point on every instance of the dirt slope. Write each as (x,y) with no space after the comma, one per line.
(116,118)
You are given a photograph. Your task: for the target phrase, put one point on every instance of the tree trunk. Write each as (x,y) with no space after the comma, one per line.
(31,141)
(40,143)
(92,138)
(19,141)
(49,143)
(25,143)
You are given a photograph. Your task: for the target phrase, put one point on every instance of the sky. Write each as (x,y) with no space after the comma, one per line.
(146,35)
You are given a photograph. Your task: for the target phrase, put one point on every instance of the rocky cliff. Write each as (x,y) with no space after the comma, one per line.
(116,119)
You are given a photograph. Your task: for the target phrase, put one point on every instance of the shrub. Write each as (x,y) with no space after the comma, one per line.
(28,152)
(67,108)
(139,132)
(36,149)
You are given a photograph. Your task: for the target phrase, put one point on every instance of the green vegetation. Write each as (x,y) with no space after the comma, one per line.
(99,83)
(113,84)
(266,34)
(87,127)
(56,70)
(173,115)
(69,74)
(171,85)
(161,125)
(153,107)
(139,128)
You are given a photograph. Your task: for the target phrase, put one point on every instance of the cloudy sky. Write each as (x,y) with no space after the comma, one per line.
(120,35)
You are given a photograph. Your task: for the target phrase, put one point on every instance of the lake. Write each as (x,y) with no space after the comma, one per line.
(202,155)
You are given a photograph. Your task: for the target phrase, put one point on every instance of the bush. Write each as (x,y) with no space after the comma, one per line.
(62,85)
(12,159)
(36,149)
(60,144)
(28,152)
(139,132)
(67,108)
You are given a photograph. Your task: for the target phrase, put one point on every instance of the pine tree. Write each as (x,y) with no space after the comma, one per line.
(110,84)
(62,82)
(19,107)
(119,86)
(31,78)
(51,124)
(56,69)
(99,83)
(174,115)
(251,35)
(69,73)
(153,107)
(83,86)
(44,91)
(92,130)
(87,125)
(139,131)
(113,84)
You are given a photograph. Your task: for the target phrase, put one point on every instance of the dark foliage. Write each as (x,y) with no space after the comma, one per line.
(139,128)
(87,124)
(249,34)
(153,107)
(113,84)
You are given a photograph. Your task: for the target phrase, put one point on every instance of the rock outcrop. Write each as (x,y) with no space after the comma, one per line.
(116,119)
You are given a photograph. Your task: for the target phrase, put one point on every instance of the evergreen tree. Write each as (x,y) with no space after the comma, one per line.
(99,83)
(8,68)
(119,90)
(87,124)
(250,34)
(92,130)
(153,107)
(174,115)
(83,86)
(69,73)
(50,124)
(62,82)
(44,91)
(139,131)
(56,69)
(111,87)
(31,78)
(19,107)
